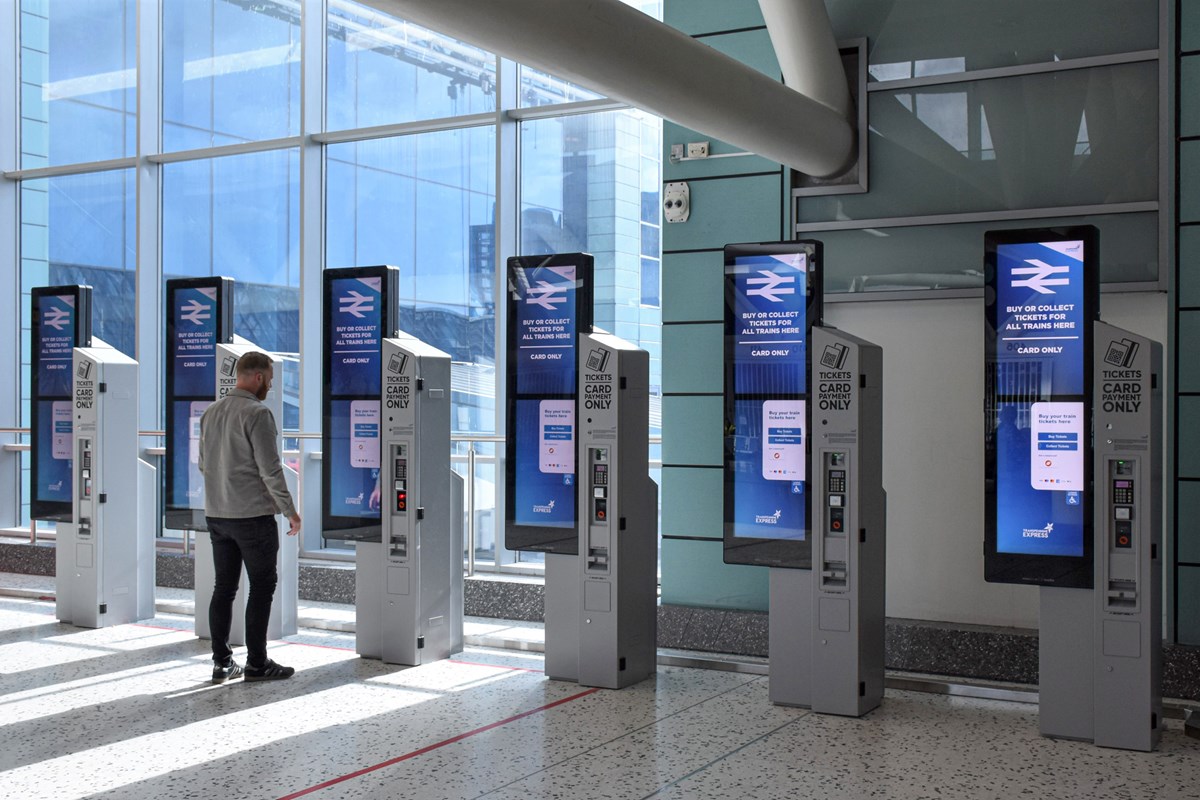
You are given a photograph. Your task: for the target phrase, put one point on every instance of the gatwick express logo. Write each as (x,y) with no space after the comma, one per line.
(768,519)
(1038,533)
(547,508)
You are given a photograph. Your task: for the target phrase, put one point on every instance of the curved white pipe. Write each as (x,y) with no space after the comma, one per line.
(617,50)
(802,36)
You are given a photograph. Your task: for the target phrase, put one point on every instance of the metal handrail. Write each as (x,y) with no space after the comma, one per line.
(472,457)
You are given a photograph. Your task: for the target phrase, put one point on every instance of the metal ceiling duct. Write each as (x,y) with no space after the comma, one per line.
(618,51)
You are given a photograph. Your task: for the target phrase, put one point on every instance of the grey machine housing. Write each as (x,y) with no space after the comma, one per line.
(105,556)
(601,605)
(827,624)
(409,602)
(1100,649)
(282,621)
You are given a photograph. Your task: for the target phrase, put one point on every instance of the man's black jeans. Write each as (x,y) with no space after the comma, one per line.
(254,541)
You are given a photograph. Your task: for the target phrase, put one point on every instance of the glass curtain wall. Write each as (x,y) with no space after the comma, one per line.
(406,134)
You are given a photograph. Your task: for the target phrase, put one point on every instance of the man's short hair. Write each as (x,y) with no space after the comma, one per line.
(254,361)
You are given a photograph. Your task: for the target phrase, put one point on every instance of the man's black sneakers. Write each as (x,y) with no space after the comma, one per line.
(223,672)
(268,672)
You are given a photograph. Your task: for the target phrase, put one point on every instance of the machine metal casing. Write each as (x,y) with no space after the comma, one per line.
(410,586)
(827,624)
(105,555)
(1100,651)
(617,532)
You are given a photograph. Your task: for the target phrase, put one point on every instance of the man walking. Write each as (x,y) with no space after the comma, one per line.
(244,487)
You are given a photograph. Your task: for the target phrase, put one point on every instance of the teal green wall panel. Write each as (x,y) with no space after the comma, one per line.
(695,358)
(1188,609)
(693,574)
(1187,428)
(1189,368)
(729,210)
(1189,182)
(711,16)
(1189,90)
(694,495)
(1189,25)
(709,167)
(693,287)
(1189,266)
(692,430)
(1188,494)
(752,48)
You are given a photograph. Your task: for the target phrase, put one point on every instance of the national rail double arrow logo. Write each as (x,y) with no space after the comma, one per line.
(1040,274)
(195,312)
(547,295)
(771,285)
(56,318)
(355,304)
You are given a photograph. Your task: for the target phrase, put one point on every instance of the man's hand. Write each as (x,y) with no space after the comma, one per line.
(295,524)
(373,500)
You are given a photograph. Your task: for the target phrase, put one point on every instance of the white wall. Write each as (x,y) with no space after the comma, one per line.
(933,451)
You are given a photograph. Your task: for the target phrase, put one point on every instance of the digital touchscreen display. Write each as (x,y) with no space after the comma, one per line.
(61,322)
(549,305)
(360,312)
(1042,296)
(772,299)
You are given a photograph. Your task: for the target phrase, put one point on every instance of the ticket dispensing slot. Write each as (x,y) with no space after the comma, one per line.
(399,536)
(1122,590)
(834,571)
(598,485)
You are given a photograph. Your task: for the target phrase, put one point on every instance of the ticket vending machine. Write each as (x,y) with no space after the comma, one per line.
(287,561)
(803,477)
(601,606)
(577,474)
(1100,654)
(1074,484)
(409,583)
(833,662)
(105,555)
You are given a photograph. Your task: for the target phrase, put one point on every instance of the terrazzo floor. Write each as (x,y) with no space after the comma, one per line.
(128,712)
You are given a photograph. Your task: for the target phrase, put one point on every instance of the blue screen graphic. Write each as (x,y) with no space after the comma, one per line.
(546,332)
(353,459)
(1040,315)
(188,489)
(769,321)
(355,341)
(55,342)
(195,345)
(1040,449)
(545,463)
(55,448)
(770,493)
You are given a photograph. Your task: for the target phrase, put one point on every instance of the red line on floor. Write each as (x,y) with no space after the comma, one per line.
(159,627)
(448,660)
(493,666)
(322,646)
(432,747)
